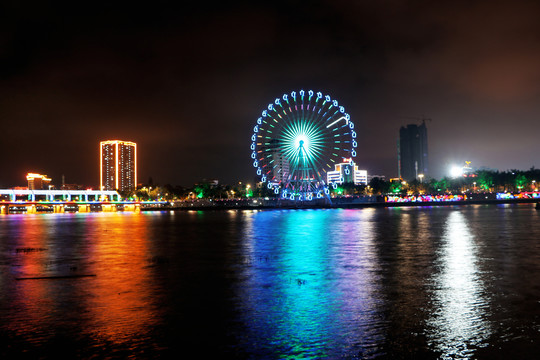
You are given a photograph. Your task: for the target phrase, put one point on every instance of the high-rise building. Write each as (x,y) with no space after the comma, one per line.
(278,163)
(38,181)
(413,152)
(118,165)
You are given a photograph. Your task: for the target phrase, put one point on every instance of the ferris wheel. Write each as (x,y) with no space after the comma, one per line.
(299,138)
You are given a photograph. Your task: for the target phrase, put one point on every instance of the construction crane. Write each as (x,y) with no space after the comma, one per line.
(423,118)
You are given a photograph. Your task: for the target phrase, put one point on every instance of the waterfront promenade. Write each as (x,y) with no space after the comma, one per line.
(352,202)
(76,202)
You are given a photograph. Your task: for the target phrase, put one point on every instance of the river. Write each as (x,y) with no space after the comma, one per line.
(405,282)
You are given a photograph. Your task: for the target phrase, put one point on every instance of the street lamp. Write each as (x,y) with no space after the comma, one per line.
(421,177)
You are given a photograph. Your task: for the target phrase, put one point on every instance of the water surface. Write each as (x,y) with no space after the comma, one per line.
(420,282)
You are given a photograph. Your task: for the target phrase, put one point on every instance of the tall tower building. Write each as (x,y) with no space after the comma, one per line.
(118,165)
(413,151)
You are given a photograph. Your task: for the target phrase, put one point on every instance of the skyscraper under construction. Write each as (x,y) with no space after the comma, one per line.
(413,152)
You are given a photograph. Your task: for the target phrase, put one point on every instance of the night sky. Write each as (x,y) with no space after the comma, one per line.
(187,83)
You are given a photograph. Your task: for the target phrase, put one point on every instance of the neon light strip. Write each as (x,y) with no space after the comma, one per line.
(135,175)
(116,167)
(341,118)
(101,165)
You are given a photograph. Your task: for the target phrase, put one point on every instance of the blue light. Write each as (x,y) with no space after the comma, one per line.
(319,95)
(253,146)
(312,144)
(259,172)
(351,125)
(310,197)
(353,134)
(302,93)
(354,143)
(270,107)
(326,191)
(278,102)
(255,163)
(253,155)
(284,193)
(259,121)
(286,97)
(291,197)
(353,153)
(310,92)
(347,171)
(293,94)
(299,198)
(269,184)
(264,113)
(347,117)
(335,103)
(263,179)
(327,97)
(319,195)
(341,109)
(276,191)
(253,138)
(256,128)
(334,185)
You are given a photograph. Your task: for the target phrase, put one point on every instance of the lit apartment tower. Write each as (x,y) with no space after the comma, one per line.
(413,151)
(118,165)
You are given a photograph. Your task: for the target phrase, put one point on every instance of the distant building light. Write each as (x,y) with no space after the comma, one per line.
(347,172)
(37,181)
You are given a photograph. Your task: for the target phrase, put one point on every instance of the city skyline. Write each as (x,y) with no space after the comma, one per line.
(188,86)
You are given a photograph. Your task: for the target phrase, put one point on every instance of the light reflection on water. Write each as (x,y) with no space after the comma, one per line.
(120,305)
(426,282)
(312,282)
(459,323)
(114,307)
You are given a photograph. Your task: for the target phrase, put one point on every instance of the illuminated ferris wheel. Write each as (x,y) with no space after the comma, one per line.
(297,140)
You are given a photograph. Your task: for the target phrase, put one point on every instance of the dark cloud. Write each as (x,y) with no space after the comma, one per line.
(187,84)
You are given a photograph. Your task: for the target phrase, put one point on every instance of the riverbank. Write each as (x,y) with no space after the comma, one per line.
(344,203)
